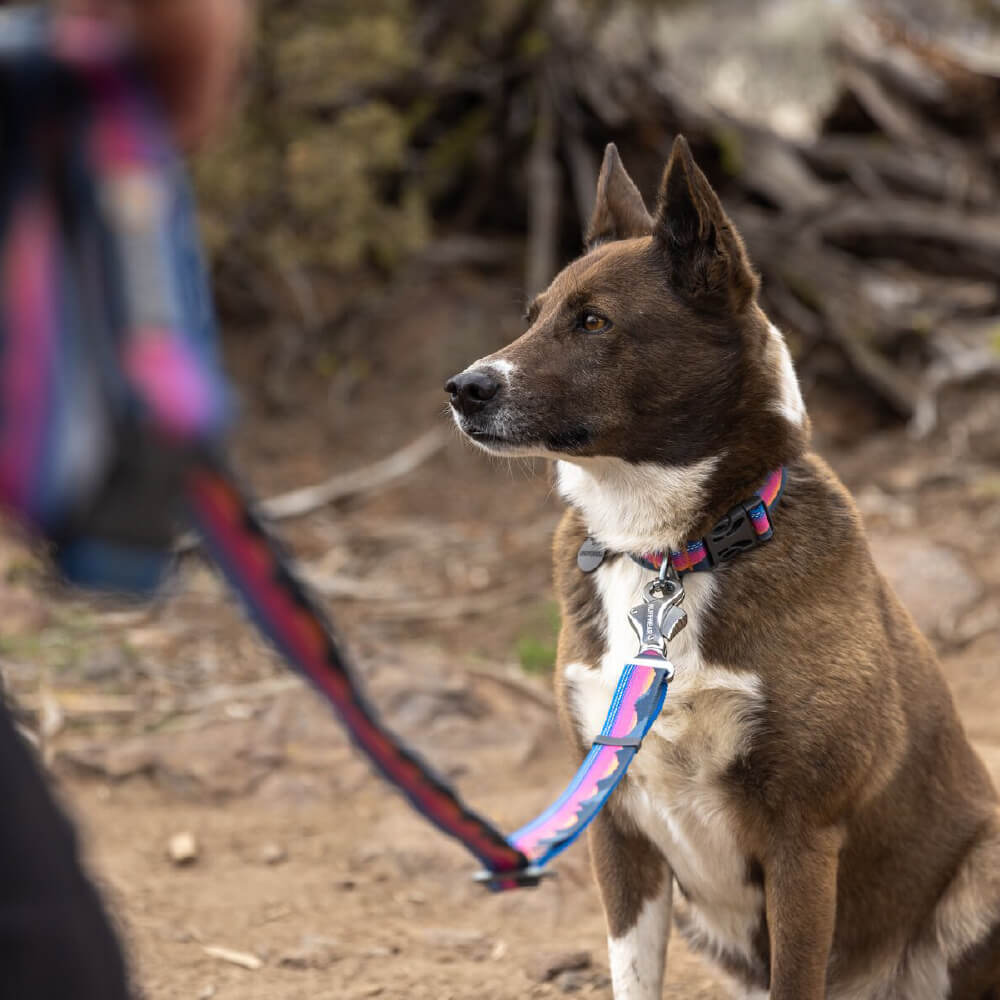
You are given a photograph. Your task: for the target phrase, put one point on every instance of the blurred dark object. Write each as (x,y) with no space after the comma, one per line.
(108,362)
(373,132)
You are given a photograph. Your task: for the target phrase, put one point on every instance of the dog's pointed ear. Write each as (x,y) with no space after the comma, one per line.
(705,254)
(619,211)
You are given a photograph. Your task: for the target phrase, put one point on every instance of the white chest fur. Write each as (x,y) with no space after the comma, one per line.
(673,790)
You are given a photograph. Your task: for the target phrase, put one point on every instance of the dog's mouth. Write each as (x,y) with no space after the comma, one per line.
(509,441)
(490,439)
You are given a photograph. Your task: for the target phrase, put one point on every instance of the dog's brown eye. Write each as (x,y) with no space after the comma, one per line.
(593,323)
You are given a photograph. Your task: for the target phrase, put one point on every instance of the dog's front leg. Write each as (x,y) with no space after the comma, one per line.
(801,898)
(635,883)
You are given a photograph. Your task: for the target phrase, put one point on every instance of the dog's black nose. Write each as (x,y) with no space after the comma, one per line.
(471,391)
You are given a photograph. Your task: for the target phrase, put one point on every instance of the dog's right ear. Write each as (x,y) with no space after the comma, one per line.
(619,211)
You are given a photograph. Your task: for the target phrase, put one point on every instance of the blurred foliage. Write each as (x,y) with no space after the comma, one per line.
(366,126)
(536,646)
(301,177)
(358,124)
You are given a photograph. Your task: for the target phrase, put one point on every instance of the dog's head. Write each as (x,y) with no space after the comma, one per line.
(649,348)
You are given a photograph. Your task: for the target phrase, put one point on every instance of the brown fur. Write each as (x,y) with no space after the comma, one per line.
(857,802)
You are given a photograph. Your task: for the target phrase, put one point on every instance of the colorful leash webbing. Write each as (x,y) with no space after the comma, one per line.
(635,705)
(258,570)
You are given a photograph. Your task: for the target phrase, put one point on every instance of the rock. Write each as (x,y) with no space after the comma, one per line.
(457,941)
(23,612)
(875,503)
(115,762)
(273,854)
(217,761)
(108,663)
(930,580)
(380,951)
(571,982)
(182,848)
(287,789)
(314,953)
(544,968)
(416,710)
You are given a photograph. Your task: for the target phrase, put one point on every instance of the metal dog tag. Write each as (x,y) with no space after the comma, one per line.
(591,555)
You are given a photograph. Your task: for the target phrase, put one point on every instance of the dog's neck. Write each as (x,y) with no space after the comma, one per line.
(650,507)
(637,507)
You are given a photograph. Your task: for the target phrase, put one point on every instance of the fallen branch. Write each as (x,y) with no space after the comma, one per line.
(425,609)
(364,480)
(297,503)
(516,685)
(241,958)
(86,705)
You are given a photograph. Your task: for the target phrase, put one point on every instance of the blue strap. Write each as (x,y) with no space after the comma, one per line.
(647,708)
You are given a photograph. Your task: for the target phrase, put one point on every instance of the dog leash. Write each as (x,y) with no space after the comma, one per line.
(113,408)
(256,567)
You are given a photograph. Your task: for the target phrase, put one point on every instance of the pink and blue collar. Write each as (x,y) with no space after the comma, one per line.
(745,527)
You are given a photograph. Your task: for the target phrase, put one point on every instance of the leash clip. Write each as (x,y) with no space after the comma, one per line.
(660,617)
(527,877)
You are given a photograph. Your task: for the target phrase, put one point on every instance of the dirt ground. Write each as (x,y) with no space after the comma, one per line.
(176,719)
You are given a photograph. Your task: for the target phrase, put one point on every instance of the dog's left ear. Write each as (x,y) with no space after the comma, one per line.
(705,255)
(619,211)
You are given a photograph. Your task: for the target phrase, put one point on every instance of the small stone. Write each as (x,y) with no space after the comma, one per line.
(545,968)
(182,848)
(314,953)
(207,993)
(930,579)
(458,941)
(571,982)
(380,951)
(273,854)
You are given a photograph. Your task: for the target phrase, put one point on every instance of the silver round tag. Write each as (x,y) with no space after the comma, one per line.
(591,555)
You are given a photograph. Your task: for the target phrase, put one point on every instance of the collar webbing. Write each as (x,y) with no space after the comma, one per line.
(745,526)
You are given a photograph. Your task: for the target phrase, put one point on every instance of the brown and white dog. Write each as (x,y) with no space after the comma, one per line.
(808,785)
